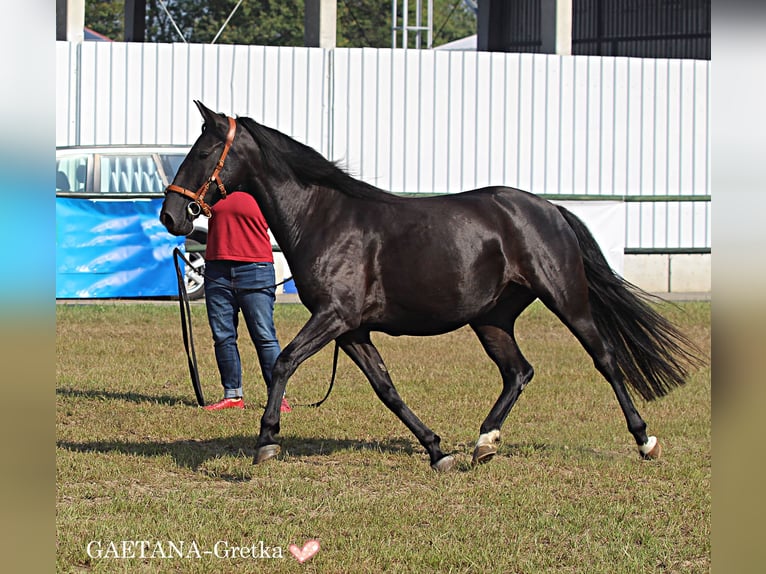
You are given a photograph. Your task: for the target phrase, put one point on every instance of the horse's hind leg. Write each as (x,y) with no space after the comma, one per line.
(359,347)
(603,359)
(496,335)
(575,313)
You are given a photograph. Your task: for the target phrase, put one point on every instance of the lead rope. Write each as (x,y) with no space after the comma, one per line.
(186,330)
(186,326)
(332,379)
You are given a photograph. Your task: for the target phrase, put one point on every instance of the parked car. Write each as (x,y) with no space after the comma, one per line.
(130,173)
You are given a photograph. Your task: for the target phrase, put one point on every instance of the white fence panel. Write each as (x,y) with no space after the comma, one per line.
(425,121)
(67,96)
(143,93)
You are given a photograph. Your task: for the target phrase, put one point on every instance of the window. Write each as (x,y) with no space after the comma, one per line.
(129,174)
(71,173)
(170,164)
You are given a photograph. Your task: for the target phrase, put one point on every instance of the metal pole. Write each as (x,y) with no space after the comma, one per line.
(393,24)
(405,23)
(172,21)
(430,24)
(418,21)
(227,21)
(320,23)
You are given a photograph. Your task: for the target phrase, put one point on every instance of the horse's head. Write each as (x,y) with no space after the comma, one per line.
(205,175)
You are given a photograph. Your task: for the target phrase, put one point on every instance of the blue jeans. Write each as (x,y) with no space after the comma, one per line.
(231,287)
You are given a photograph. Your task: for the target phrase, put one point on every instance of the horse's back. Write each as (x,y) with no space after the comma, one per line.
(516,218)
(447,259)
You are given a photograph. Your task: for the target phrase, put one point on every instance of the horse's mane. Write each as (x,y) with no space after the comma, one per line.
(290,159)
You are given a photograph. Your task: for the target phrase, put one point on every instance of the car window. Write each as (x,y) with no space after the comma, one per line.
(71,173)
(170,164)
(129,174)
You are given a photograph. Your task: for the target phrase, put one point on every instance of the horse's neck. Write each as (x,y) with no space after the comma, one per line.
(296,213)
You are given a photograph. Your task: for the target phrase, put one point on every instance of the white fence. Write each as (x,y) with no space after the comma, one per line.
(427,121)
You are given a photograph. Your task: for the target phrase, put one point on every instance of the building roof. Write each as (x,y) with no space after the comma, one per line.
(93,36)
(467,43)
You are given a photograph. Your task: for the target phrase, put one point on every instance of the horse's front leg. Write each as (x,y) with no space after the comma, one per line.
(321,329)
(359,347)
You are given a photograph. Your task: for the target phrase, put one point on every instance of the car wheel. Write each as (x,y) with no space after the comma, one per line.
(195,276)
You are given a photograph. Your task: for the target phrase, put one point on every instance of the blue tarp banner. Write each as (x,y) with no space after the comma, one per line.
(113,249)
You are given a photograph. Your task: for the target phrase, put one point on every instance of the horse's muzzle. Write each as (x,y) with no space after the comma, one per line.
(176,226)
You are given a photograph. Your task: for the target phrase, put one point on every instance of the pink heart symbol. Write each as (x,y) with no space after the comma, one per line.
(310,548)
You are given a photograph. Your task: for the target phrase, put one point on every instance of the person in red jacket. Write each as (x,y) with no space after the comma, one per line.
(239,277)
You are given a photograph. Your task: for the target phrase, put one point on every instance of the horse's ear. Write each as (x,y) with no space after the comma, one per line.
(207,113)
(203,109)
(211,118)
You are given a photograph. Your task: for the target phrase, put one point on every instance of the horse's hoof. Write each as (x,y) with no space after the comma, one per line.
(444,464)
(483,453)
(486,447)
(265,453)
(651,450)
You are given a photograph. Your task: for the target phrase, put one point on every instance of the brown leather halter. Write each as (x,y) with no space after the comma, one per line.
(198,197)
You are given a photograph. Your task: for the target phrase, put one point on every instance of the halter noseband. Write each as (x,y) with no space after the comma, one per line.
(198,204)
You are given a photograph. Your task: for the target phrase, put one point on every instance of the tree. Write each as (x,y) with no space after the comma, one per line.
(452,21)
(106,17)
(273,22)
(263,22)
(368,22)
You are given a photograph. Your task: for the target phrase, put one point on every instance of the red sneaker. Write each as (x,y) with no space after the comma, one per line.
(231,403)
(285,408)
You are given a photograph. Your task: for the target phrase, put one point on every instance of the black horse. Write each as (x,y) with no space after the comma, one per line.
(367,260)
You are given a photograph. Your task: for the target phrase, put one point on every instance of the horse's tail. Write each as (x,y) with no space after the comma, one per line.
(651,352)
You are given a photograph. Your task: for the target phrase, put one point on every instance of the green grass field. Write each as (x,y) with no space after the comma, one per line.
(138,461)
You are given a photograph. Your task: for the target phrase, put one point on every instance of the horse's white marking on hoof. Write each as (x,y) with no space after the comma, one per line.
(444,464)
(651,449)
(488,438)
(266,452)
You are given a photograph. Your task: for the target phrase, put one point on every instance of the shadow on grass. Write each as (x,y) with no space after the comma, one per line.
(192,454)
(127,396)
